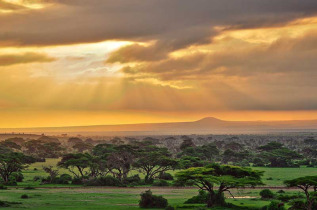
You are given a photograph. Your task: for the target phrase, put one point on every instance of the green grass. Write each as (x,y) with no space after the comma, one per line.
(78,197)
(279,175)
(106,198)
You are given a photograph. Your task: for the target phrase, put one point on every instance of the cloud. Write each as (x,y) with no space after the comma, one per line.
(30,57)
(179,23)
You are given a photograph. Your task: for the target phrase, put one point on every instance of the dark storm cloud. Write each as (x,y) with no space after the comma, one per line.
(176,22)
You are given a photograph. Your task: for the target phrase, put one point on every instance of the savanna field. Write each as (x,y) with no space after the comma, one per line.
(58,196)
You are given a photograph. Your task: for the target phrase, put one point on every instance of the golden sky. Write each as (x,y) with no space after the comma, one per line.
(89,62)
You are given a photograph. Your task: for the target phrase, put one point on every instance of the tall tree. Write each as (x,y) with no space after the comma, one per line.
(224,176)
(12,162)
(304,183)
(152,160)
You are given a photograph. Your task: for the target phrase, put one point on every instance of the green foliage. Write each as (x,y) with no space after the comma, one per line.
(11,163)
(187,142)
(286,197)
(201,198)
(166,176)
(266,194)
(297,204)
(77,181)
(17,176)
(225,176)
(160,183)
(186,162)
(133,180)
(103,181)
(148,200)
(152,160)
(206,152)
(79,161)
(279,156)
(275,205)
(2,187)
(4,204)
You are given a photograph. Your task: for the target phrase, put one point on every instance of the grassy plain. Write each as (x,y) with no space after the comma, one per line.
(79,197)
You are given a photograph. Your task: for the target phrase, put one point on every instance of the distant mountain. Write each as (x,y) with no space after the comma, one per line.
(208,125)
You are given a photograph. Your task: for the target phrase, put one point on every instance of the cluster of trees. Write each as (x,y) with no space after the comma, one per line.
(119,160)
(214,168)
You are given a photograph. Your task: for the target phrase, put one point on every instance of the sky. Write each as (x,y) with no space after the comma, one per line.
(92,62)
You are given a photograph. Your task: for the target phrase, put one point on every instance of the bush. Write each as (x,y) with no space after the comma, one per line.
(17,176)
(77,181)
(135,180)
(275,205)
(297,205)
(63,179)
(201,198)
(24,196)
(160,183)
(266,194)
(2,187)
(287,198)
(104,181)
(281,191)
(37,178)
(4,204)
(166,176)
(11,183)
(148,200)
(29,188)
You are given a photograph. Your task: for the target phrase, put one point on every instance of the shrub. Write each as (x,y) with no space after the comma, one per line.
(2,187)
(37,178)
(148,200)
(133,180)
(77,181)
(4,204)
(104,181)
(275,205)
(11,183)
(177,183)
(287,198)
(17,176)
(66,177)
(297,205)
(201,198)
(63,179)
(24,196)
(281,191)
(29,188)
(166,176)
(266,194)
(160,183)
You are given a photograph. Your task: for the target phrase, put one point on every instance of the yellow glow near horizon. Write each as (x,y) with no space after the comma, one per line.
(32,4)
(46,118)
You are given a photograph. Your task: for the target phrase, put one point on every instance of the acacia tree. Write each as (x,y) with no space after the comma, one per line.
(12,162)
(53,173)
(120,161)
(79,161)
(152,160)
(304,183)
(224,177)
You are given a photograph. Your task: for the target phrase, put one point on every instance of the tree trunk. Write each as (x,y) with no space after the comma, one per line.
(215,199)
